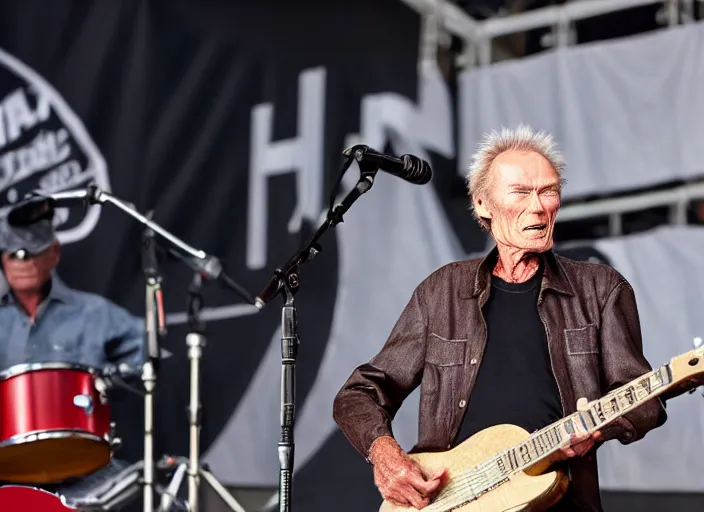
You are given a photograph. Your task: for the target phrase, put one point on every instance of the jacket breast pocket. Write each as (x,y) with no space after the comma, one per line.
(582,341)
(445,352)
(440,387)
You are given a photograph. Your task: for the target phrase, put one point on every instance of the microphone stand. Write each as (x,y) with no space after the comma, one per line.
(208,265)
(286,281)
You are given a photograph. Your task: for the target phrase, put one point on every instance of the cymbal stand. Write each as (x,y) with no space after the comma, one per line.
(196,341)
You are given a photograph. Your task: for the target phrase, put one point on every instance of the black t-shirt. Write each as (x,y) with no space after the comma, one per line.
(515,383)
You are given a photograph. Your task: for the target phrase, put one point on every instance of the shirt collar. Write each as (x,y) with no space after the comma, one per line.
(59,290)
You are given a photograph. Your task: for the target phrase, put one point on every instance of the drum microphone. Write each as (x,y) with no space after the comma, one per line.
(30,211)
(407,167)
(117,375)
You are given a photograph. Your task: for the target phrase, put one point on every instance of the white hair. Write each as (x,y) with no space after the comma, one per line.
(523,139)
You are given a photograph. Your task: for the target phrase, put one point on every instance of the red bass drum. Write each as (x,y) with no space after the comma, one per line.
(54,423)
(14,498)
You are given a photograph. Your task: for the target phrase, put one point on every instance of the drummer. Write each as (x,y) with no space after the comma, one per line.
(43,320)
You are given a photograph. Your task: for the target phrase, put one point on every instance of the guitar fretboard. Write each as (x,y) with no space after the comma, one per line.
(600,413)
(478,480)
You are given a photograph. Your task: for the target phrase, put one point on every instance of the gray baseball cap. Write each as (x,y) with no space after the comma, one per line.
(28,226)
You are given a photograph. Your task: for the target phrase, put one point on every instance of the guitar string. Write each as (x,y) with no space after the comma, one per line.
(479,475)
(488,473)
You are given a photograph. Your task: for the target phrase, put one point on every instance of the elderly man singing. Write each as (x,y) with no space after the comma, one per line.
(514,338)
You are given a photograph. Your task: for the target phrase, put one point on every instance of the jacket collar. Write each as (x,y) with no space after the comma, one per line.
(554,277)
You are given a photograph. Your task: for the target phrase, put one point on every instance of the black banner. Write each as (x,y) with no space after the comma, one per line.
(154,102)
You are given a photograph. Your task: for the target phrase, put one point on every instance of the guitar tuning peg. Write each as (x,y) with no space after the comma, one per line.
(697,342)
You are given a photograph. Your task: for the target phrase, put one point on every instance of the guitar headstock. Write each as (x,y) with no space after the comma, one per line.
(687,370)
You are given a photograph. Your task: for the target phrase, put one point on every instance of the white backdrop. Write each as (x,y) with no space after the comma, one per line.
(627,113)
(665,269)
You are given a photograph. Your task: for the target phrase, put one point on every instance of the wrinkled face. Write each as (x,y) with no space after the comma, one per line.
(31,274)
(522,200)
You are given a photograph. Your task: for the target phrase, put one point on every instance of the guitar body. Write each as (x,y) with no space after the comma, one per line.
(534,490)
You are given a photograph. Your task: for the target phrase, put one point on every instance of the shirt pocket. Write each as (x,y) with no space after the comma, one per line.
(445,352)
(582,341)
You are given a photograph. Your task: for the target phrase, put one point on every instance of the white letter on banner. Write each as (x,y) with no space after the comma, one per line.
(302,155)
(18,114)
(411,128)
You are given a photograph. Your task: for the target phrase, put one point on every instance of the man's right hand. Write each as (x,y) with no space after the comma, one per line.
(399,478)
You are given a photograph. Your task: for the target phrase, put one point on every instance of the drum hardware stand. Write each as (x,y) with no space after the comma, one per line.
(206,265)
(286,281)
(155,327)
(196,341)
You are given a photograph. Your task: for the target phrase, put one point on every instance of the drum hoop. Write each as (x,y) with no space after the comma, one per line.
(21,368)
(41,435)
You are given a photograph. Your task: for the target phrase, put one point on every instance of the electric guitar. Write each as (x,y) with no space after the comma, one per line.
(504,468)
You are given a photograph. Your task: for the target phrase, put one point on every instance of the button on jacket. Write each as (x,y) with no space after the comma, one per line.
(594,340)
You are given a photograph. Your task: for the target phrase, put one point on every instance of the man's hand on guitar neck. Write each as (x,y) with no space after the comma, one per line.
(579,446)
(399,478)
(582,442)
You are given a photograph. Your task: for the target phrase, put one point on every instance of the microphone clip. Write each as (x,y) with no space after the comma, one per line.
(368,167)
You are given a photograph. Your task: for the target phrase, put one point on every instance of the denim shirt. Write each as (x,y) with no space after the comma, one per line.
(71,326)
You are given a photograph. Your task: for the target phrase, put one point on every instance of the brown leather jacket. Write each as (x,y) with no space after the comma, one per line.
(594,339)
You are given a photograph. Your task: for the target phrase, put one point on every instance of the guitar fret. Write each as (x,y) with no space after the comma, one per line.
(599,411)
(552,435)
(545,441)
(645,384)
(525,453)
(552,441)
(569,427)
(514,462)
(631,395)
(501,464)
(556,431)
(614,406)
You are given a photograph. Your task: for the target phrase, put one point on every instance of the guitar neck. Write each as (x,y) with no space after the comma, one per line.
(597,415)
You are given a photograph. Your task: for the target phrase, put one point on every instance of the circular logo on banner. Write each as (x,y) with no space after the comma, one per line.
(44,146)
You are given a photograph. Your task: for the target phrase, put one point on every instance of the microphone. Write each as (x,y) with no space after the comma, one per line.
(149,261)
(407,167)
(150,267)
(118,375)
(38,205)
(29,211)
